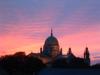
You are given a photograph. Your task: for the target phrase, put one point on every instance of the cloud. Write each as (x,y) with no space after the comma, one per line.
(25,25)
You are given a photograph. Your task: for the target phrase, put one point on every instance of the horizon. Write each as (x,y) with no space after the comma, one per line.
(25,25)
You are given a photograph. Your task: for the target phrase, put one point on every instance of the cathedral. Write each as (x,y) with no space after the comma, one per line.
(52,51)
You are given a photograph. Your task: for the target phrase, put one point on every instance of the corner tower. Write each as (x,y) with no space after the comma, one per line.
(87,56)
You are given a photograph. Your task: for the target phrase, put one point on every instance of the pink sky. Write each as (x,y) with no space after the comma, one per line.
(25,25)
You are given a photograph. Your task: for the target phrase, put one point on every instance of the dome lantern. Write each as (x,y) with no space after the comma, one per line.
(51,32)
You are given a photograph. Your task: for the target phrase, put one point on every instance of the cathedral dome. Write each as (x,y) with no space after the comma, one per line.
(51,45)
(51,41)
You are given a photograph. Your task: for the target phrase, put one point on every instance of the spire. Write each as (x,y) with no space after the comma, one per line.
(87,50)
(51,32)
(86,53)
(87,56)
(69,51)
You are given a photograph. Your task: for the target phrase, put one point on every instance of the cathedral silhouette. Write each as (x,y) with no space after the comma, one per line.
(51,51)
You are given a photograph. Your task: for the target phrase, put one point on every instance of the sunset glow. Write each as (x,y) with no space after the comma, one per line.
(25,25)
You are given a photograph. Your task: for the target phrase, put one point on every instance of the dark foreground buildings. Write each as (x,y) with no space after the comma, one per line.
(52,53)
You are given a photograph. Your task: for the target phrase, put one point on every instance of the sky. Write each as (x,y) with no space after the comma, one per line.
(25,25)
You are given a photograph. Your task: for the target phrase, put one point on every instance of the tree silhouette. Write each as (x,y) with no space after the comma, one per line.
(19,62)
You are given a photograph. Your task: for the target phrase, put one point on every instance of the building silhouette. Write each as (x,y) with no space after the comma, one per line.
(51,51)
